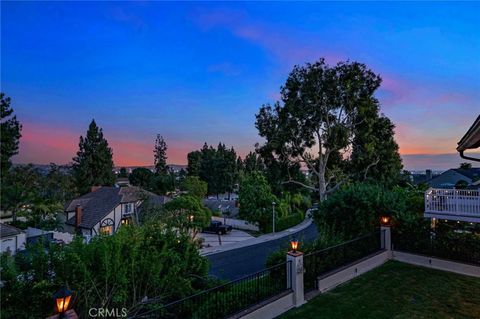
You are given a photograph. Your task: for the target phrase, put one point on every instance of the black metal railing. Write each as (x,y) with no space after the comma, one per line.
(224,300)
(455,247)
(323,261)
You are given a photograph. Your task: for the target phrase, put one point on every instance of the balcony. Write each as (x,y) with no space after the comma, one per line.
(453,204)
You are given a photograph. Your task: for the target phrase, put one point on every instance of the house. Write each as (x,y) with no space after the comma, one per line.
(443,201)
(471,140)
(105,209)
(450,178)
(13,239)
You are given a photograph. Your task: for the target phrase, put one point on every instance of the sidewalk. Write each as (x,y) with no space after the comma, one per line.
(261,239)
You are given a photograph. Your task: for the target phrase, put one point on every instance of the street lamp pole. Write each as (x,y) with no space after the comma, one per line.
(273,217)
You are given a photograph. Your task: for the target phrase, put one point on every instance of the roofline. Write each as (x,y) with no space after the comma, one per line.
(451,169)
(471,139)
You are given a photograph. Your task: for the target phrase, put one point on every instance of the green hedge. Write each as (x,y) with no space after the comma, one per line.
(289,221)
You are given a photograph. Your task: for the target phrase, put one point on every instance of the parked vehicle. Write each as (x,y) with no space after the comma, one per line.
(217,227)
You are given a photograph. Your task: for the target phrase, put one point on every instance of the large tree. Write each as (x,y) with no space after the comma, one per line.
(141,177)
(316,118)
(187,214)
(194,186)
(10,133)
(93,165)
(219,167)
(23,185)
(160,155)
(375,154)
(256,198)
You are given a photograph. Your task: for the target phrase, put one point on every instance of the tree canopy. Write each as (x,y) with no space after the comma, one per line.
(187,214)
(152,262)
(194,186)
(10,133)
(218,167)
(160,156)
(314,122)
(256,198)
(93,165)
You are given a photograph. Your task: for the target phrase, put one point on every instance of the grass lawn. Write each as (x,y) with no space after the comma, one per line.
(398,290)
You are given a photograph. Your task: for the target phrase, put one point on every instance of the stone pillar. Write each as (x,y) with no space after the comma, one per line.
(295,277)
(386,238)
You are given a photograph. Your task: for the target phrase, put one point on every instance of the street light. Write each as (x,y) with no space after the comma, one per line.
(62,300)
(273,217)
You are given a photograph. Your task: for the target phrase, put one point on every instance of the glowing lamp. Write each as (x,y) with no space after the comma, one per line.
(62,300)
(385,220)
(294,245)
(190,218)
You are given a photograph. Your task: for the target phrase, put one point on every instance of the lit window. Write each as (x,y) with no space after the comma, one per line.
(126,221)
(106,230)
(106,227)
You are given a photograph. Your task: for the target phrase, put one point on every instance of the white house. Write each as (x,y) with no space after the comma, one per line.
(105,209)
(457,204)
(13,239)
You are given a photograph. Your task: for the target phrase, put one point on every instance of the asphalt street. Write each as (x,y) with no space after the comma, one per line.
(236,263)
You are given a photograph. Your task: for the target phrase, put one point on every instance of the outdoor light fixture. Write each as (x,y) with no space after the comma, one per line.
(294,244)
(190,218)
(385,220)
(62,300)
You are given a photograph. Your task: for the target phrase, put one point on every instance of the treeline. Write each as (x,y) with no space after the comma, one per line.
(219,167)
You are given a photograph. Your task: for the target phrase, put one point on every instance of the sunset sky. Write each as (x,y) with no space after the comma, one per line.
(198,72)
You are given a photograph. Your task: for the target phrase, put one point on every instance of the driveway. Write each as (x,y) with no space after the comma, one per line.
(211,240)
(232,264)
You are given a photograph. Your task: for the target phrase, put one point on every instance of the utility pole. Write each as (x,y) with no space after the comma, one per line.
(273,217)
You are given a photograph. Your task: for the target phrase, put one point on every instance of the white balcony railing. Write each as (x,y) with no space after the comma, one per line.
(457,202)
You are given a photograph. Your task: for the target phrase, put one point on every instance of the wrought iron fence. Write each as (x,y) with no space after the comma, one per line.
(322,261)
(459,247)
(224,300)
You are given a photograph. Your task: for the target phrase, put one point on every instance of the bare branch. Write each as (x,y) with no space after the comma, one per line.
(301,184)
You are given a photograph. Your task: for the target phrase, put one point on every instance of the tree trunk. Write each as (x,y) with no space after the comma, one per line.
(322,185)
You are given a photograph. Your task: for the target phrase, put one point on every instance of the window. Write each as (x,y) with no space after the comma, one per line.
(128,208)
(126,221)
(106,230)
(106,227)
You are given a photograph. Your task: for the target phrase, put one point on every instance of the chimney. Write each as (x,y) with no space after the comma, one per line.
(429,174)
(94,188)
(78,216)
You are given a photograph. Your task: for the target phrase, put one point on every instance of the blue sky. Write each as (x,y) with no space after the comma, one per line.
(197,72)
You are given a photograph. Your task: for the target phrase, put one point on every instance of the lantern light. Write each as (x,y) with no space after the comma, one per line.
(385,220)
(62,300)
(294,245)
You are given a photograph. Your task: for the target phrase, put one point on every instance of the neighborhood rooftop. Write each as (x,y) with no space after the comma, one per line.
(101,201)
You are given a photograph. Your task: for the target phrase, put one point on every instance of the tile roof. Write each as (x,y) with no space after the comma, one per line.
(99,203)
(8,231)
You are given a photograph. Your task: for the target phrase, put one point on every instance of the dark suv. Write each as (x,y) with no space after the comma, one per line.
(217,227)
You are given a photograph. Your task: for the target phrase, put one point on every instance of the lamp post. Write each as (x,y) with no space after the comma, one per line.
(385,228)
(294,245)
(273,217)
(62,301)
(385,220)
